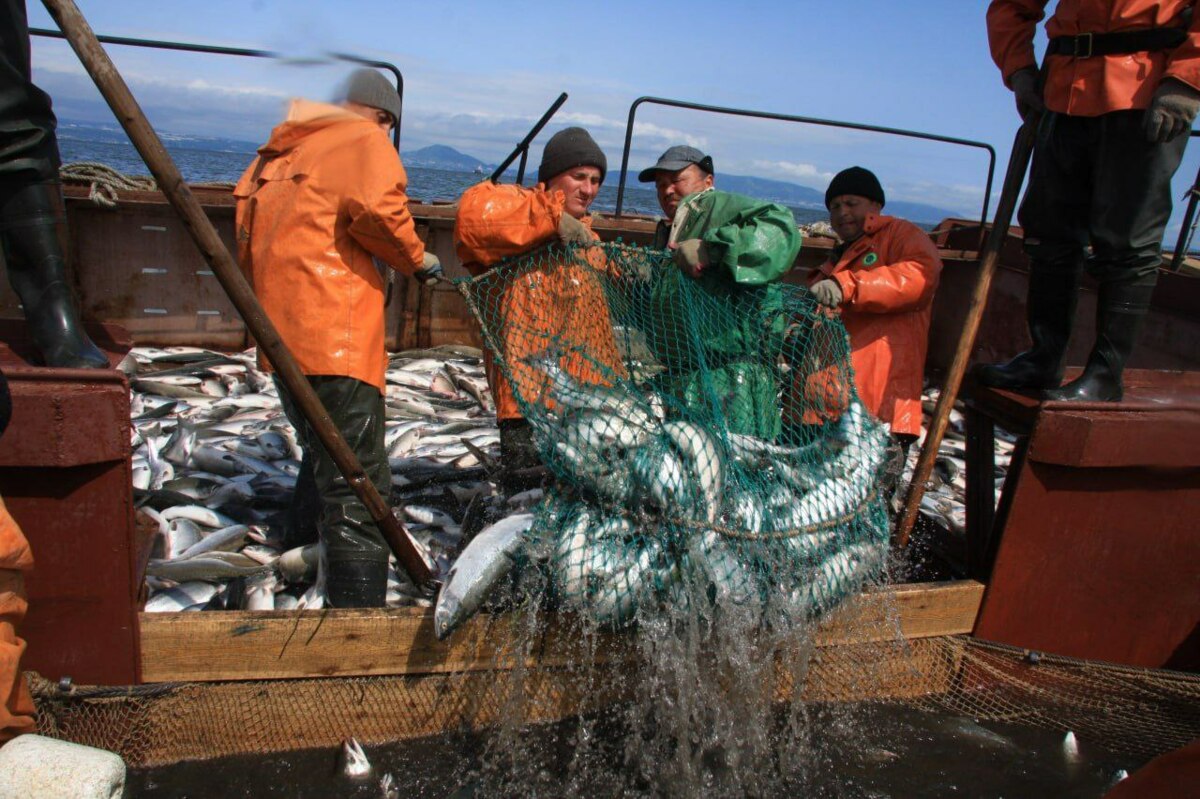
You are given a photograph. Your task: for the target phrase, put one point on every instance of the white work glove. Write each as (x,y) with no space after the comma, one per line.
(692,256)
(828,292)
(430,271)
(1172,111)
(572,231)
(1026,88)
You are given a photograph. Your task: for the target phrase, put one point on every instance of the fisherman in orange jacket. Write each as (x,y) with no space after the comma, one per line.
(16,707)
(1121,89)
(882,277)
(325,196)
(559,304)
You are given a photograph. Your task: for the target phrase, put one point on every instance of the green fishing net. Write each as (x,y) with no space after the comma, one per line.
(708,447)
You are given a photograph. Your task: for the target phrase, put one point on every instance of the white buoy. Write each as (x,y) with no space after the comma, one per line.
(36,767)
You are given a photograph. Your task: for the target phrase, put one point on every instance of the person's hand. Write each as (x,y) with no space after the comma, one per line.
(1172,111)
(692,256)
(572,231)
(1026,88)
(430,271)
(828,293)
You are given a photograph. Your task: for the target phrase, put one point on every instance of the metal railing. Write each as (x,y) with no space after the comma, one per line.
(742,112)
(188,47)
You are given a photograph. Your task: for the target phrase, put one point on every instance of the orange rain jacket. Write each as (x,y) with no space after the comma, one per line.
(16,706)
(326,193)
(888,277)
(558,304)
(1092,86)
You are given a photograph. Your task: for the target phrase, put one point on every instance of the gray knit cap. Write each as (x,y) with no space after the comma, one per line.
(571,147)
(369,87)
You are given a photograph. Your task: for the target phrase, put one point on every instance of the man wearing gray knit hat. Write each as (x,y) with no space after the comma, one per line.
(369,89)
(321,206)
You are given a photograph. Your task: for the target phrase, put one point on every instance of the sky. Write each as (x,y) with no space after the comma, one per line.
(479,74)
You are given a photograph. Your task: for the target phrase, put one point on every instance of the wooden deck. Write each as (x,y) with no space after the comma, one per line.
(245,645)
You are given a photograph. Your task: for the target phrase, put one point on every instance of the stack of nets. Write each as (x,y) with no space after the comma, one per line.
(708,444)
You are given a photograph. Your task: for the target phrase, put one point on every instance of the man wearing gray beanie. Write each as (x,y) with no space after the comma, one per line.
(325,200)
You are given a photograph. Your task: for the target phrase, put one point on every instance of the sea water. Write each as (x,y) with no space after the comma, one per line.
(872,751)
(206,160)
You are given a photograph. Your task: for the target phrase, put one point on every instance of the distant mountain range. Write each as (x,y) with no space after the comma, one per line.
(443,157)
(440,156)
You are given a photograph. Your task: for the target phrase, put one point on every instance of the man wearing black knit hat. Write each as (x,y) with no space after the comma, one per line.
(881,276)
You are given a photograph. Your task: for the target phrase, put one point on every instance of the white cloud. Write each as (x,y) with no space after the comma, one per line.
(791,169)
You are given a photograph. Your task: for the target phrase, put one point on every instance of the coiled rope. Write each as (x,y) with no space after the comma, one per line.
(105,182)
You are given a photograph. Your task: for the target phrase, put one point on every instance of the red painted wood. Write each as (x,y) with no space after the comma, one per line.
(1099,556)
(65,475)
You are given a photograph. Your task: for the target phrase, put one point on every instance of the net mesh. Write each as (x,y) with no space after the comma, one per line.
(706,438)
(1141,712)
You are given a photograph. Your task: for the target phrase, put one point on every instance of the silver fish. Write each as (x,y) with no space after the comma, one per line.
(181,535)
(703,460)
(569,392)
(227,539)
(199,514)
(181,597)
(354,763)
(485,561)
(260,592)
(202,567)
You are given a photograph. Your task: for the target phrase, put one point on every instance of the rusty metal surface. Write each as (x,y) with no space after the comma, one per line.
(1167,341)
(65,475)
(136,266)
(1097,540)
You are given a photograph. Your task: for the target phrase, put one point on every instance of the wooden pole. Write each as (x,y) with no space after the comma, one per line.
(1018,163)
(96,61)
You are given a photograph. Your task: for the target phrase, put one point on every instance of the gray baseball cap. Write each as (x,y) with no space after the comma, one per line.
(675,159)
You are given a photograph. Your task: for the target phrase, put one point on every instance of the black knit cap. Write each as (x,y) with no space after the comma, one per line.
(569,148)
(855,180)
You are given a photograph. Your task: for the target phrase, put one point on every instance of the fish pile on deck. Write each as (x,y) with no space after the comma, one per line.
(945,503)
(215,462)
(666,511)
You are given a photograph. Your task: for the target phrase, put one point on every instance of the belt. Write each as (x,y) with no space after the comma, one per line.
(1087,45)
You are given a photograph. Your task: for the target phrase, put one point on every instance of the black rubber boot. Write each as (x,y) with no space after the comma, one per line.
(356,583)
(1050,310)
(1120,310)
(30,217)
(304,511)
(520,464)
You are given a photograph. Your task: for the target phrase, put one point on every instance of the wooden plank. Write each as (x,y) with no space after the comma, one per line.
(245,645)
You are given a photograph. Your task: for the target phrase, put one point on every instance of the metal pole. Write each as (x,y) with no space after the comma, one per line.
(743,112)
(1188,228)
(129,114)
(1018,163)
(188,47)
(523,147)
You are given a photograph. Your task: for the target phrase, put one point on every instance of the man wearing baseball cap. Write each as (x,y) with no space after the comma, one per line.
(733,248)
(680,171)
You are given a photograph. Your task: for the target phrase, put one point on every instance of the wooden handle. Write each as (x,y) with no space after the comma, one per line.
(1018,163)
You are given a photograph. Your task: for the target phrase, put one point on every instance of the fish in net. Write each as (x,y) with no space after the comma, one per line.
(708,447)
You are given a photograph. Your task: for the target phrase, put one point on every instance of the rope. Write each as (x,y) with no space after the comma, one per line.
(105,182)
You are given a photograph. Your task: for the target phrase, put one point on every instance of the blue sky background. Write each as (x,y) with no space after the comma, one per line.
(478,74)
